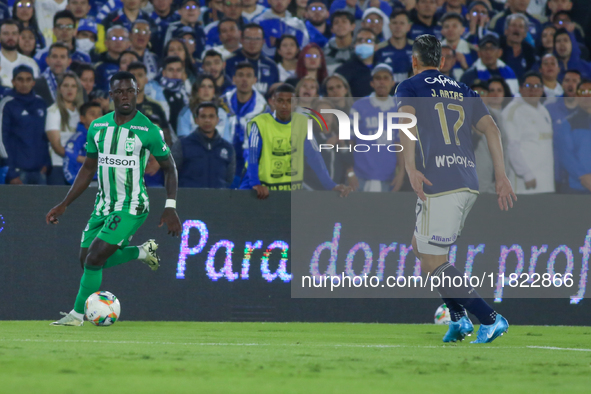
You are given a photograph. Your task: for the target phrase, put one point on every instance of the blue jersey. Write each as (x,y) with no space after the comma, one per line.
(374,164)
(446,110)
(74,147)
(399,59)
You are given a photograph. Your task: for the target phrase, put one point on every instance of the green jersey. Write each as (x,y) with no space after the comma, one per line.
(123,153)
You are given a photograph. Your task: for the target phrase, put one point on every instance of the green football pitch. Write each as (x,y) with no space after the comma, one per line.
(176,357)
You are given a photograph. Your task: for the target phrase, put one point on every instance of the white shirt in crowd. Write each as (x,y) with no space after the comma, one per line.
(556,92)
(53,122)
(45,10)
(529,146)
(284,75)
(7,66)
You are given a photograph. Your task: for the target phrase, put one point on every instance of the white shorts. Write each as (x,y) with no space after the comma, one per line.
(440,221)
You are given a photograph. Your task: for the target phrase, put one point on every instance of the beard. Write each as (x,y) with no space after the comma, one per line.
(9,47)
(317,23)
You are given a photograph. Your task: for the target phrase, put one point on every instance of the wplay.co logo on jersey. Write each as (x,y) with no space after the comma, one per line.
(345,129)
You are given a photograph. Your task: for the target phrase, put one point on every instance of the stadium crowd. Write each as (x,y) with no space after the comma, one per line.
(528,59)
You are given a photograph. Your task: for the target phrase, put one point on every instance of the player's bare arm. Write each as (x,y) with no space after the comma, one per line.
(505,194)
(415,176)
(169,216)
(81,183)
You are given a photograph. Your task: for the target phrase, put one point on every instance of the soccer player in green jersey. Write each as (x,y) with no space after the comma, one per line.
(118,145)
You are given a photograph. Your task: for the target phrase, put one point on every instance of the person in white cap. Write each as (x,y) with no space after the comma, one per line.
(374,20)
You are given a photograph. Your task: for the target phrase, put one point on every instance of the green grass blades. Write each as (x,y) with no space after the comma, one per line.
(176,357)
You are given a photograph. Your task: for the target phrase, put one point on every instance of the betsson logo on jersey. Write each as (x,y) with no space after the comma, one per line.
(345,130)
(118,161)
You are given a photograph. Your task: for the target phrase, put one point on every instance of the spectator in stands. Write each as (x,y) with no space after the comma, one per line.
(214,65)
(297,8)
(127,15)
(177,47)
(86,37)
(286,56)
(478,20)
(23,11)
(86,74)
(466,55)
(126,58)
(64,29)
(75,150)
(546,43)
(455,6)
(23,142)
(340,48)
(562,20)
(45,10)
(148,106)
(102,98)
(489,64)
(117,40)
(356,8)
(497,23)
(517,53)
(529,132)
(397,51)
(377,171)
(568,55)
(374,20)
(230,38)
(424,21)
(559,5)
(9,57)
(357,71)
(310,63)
(559,110)
(139,38)
(46,85)
(266,71)
(80,9)
(316,17)
(549,70)
(232,9)
(163,15)
(27,42)
(203,91)
(244,102)
(213,13)
(276,22)
(62,121)
(174,86)
(203,157)
(450,65)
(189,12)
(307,92)
(573,144)
(493,95)
(250,10)
(336,88)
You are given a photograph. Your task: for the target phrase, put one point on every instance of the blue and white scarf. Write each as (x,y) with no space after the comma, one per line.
(51,82)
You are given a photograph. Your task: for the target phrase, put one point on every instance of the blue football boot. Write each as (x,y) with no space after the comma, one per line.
(487,334)
(458,330)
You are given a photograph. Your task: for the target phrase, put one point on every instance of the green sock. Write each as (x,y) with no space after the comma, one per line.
(90,283)
(122,256)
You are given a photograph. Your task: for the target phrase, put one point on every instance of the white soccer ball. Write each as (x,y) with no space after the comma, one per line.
(442,315)
(102,308)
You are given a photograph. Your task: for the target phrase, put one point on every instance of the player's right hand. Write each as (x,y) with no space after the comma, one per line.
(505,192)
(417,179)
(262,191)
(54,213)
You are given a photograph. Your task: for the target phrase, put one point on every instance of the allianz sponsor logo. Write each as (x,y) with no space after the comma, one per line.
(142,128)
(101,124)
(442,79)
(118,161)
(448,161)
(444,240)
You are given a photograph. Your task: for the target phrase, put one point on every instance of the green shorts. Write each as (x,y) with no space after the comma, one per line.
(116,229)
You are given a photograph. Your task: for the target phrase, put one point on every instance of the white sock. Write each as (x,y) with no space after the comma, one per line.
(143,254)
(77,315)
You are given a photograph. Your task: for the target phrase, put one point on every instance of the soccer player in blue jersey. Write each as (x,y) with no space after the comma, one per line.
(441,169)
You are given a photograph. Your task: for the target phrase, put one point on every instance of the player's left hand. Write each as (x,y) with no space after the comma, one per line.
(344,190)
(504,192)
(173,223)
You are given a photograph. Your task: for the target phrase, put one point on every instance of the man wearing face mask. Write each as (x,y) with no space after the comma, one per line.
(86,37)
(357,70)
(64,29)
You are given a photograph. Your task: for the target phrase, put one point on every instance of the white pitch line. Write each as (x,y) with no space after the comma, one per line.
(559,348)
(336,345)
